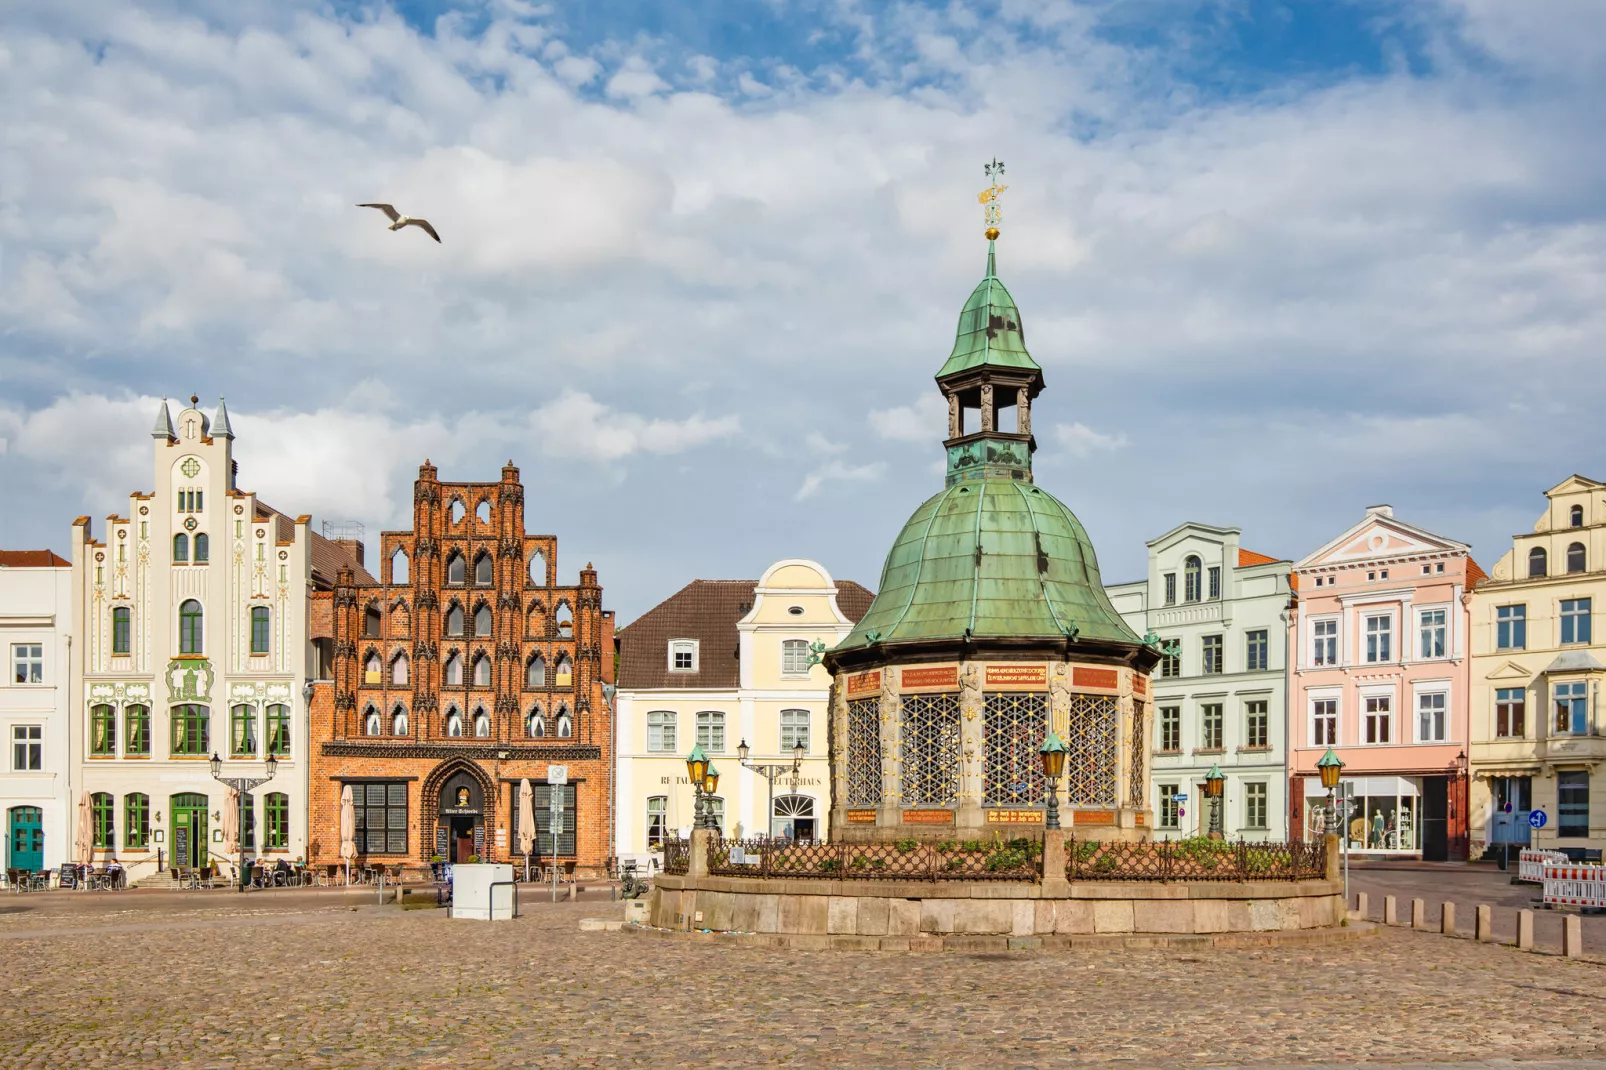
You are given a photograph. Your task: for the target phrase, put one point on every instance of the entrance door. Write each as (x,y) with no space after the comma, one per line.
(189,829)
(462,838)
(25,838)
(793,818)
(1435,818)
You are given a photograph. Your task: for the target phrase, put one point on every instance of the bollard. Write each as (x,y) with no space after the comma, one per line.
(1391,910)
(1483,925)
(1572,936)
(1363,905)
(1447,919)
(1419,914)
(574,891)
(1525,930)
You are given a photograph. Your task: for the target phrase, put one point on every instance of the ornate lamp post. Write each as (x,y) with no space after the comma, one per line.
(241,785)
(710,785)
(1053,754)
(770,772)
(696,766)
(1213,784)
(1330,767)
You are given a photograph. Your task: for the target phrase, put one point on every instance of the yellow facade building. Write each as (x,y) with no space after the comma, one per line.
(722,664)
(1538,735)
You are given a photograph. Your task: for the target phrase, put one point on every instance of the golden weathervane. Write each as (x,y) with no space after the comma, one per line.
(989,196)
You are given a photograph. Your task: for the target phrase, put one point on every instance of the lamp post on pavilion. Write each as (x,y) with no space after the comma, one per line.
(696,766)
(769,773)
(1331,767)
(1053,754)
(1214,781)
(710,785)
(242,785)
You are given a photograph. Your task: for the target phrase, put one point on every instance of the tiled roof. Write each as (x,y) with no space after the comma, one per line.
(707,611)
(328,556)
(1249,557)
(32,559)
(1475,575)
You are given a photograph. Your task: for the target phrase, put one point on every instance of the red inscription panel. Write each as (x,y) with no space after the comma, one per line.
(936,676)
(864,682)
(1081,677)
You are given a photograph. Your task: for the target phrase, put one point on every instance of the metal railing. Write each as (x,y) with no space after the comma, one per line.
(1195,859)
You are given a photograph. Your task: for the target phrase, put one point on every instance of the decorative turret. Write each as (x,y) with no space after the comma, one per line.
(164,423)
(220,424)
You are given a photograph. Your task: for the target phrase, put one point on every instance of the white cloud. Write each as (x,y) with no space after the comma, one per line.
(924,421)
(577,426)
(1083,441)
(837,472)
(820,444)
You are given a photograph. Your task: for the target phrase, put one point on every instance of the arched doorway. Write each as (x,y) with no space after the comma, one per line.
(793,817)
(462,818)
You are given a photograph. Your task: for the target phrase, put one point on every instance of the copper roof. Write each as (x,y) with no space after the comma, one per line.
(707,611)
(32,559)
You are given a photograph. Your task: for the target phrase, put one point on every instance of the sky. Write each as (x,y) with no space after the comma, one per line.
(1279,260)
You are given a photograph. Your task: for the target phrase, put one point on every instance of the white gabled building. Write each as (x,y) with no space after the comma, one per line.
(36,640)
(1220,701)
(191,623)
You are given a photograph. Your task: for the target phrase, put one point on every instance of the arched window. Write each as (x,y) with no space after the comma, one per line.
(538,569)
(398,722)
(371,670)
(565,620)
(398,567)
(181,549)
(535,672)
(535,724)
(454,723)
(482,672)
(1190,579)
(454,620)
(457,510)
(793,817)
(565,725)
(482,724)
(401,623)
(122,617)
(1537,565)
(203,549)
(398,670)
(482,512)
(484,571)
(454,670)
(1575,516)
(190,637)
(536,620)
(482,620)
(371,621)
(1575,557)
(370,722)
(563,672)
(454,568)
(260,629)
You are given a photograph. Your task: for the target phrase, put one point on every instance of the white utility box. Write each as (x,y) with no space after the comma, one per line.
(484,891)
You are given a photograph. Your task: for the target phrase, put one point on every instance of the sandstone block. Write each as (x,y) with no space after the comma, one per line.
(1073,916)
(1112,916)
(872,916)
(843,914)
(1163,916)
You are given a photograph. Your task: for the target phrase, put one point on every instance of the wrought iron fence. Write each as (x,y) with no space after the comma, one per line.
(1196,859)
(1013,860)
(677,855)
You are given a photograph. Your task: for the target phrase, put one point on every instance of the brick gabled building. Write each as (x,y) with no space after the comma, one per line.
(464,669)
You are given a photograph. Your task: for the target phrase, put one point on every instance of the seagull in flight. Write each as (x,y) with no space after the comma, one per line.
(398,221)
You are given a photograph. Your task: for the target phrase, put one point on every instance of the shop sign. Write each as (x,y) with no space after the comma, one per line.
(928,817)
(1014,817)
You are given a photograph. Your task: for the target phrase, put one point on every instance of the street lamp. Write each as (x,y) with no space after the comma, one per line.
(770,772)
(242,785)
(1213,784)
(710,785)
(1330,767)
(696,766)
(1053,754)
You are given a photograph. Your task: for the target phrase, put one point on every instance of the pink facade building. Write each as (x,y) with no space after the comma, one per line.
(1380,673)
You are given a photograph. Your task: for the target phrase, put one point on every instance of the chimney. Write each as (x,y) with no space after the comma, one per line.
(352,547)
(1380,510)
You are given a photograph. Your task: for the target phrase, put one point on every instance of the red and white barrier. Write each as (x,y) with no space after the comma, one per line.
(1531,864)
(1575,886)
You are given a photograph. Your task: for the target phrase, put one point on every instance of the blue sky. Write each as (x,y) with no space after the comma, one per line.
(1279,261)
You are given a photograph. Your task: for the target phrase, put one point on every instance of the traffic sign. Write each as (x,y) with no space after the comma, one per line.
(1537,819)
(1183,797)
(557,774)
(1182,811)
(1507,808)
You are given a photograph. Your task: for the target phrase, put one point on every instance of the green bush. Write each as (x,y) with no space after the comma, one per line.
(905,846)
(1007,858)
(830,865)
(972,845)
(946,845)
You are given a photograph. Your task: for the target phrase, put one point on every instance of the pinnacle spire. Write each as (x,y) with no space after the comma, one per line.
(164,423)
(220,423)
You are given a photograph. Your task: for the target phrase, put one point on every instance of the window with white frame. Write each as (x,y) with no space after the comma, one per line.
(661,732)
(1511,627)
(794,730)
(1430,719)
(1256,647)
(683,655)
(1215,581)
(1255,808)
(657,820)
(1170,816)
(27,748)
(1210,726)
(28,663)
(1379,721)
(1324,641)
(1572,709)
(1191,575)
(711,732)
(1510,712)
(1379,637)
(1257,726)
(1170,588)
(1170,729)
(1212,655)
(1574,621)
(1324,722)
(1170,664)
(795,657)
(1432,628)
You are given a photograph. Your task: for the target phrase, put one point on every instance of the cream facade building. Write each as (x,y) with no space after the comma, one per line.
(191,639)
(36,641)
(718,664)
(1538,733)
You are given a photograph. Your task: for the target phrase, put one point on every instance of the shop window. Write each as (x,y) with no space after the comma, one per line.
(381,818)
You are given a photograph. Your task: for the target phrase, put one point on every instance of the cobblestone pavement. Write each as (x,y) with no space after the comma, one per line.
(1466,886)
(313,980)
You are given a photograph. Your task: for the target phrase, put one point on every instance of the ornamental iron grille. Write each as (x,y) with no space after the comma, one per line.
(1090,768)
(1013,729)
(1196,859)
(677,855)
(864,752)
(1136,789)
(930,750)
(970,860)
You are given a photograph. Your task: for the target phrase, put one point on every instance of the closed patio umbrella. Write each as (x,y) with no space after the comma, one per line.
(526,822)
(231,823)
(84,838)
(348,829)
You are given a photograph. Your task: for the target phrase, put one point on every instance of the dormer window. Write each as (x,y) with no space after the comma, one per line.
(683,655)
(1575,516)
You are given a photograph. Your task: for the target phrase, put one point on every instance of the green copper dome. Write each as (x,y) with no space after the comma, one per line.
(993,558)
(989,329)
